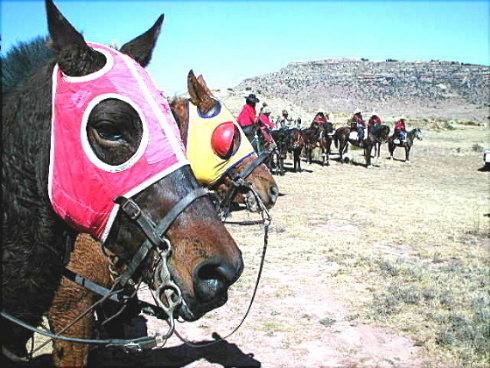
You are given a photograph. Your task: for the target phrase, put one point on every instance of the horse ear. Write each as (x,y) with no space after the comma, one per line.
(199,94)
(141,48)
(74,56)
(203,83)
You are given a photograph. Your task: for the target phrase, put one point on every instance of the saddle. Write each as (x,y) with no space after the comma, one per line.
(353,135)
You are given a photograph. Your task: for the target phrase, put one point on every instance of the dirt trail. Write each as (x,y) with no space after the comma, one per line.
(330,225)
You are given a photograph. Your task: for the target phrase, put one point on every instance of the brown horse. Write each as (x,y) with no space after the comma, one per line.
(79,155)
(260,177)
(394,142)
(296,143)
(89,262)
(318,135)
(279,154)
(341,140)
(383,138)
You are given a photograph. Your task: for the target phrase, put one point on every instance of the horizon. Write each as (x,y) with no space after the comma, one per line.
(230,41)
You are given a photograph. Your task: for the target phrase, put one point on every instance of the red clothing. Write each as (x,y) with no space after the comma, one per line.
(247,116)
(400,126)
(374,120)
(265,119)
(357,121)
(319,119)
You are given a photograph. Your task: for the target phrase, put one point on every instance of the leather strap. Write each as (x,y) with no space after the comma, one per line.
(154,234)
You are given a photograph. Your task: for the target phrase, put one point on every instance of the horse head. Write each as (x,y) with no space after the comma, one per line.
(226,154)
(417,133)
(103,155)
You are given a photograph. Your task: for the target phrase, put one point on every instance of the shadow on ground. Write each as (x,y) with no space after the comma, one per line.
(218,352)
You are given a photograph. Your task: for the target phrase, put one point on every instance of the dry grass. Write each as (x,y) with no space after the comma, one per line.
(405,246)
(370,268)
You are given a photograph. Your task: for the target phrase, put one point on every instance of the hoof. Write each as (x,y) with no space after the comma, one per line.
(370,166)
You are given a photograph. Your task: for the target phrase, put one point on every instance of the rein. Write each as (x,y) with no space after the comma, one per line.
(266,221)
(156,239)
(238,181)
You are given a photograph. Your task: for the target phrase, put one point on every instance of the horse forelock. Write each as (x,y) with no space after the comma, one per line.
(23,61)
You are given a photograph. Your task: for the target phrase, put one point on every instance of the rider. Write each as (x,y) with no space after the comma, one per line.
(246,118)
(320,117)
(401,129)
(265,118)
(265,125)
(357,123)
(285,121)
(374,120)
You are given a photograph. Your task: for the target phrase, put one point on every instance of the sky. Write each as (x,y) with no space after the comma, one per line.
(228,41)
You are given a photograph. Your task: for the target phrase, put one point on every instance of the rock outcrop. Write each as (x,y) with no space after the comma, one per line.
(417,89)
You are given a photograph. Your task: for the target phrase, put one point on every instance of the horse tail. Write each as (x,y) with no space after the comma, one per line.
(336,140)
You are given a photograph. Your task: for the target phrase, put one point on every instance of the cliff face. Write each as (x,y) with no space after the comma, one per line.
(449,90)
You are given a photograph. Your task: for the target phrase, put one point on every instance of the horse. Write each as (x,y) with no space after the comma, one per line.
(295,145)
(279,154)
(341,140)
(394,142)
(383,137)
(260,178)
(114,168)
(318,135)
(73,300)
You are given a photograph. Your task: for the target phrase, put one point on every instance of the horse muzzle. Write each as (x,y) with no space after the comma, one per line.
(211,280)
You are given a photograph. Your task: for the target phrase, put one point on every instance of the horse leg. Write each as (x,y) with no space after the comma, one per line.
(367,152)
(67,305)
(71,300)
(391,148)
(407,154)
(341,153)
(297,160)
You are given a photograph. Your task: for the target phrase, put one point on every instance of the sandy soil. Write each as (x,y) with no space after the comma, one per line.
(309,308)
(305,313)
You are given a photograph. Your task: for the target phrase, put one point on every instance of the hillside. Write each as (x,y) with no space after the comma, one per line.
(418,89)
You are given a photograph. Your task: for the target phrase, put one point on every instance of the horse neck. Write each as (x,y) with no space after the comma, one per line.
(411,135)
(26,126)
(180,109)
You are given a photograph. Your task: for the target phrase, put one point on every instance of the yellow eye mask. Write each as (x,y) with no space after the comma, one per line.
(215,144)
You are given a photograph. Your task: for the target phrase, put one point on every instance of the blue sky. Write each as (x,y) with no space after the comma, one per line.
(228,41)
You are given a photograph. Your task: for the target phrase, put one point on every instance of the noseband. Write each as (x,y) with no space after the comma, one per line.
(239,181)
(157,240)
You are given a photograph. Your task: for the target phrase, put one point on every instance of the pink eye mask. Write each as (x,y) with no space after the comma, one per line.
(81,186)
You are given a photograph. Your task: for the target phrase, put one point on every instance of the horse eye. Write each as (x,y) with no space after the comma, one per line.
(225,140)
(108,131)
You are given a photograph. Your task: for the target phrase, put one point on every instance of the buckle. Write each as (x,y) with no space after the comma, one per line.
(129,207)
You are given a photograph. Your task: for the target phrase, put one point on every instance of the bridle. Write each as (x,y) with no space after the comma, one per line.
(124,287)
(238,181)
(155,240)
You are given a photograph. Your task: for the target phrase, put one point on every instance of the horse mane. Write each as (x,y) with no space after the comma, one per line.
(178,105)
(23,60)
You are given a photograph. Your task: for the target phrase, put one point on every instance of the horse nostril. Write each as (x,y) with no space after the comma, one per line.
(212,279)
(274,193)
